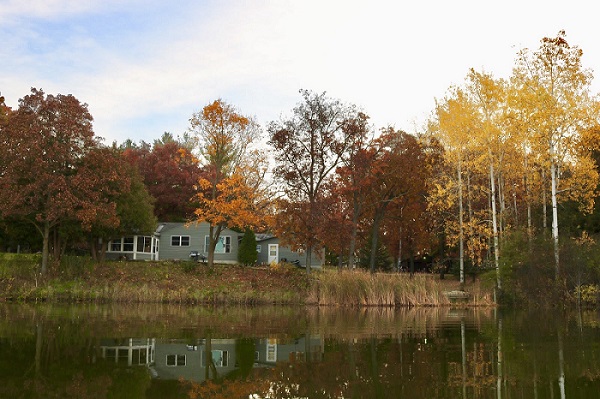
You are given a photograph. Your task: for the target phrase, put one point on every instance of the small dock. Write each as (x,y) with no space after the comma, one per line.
(458,296)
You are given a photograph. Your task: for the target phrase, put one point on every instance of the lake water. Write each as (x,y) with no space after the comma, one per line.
(164,351)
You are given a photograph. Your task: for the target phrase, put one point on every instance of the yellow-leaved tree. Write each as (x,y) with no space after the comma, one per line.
(487,96)
(555,89)
(453,128)
(230,193)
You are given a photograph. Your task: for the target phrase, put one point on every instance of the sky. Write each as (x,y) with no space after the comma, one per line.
(144,67)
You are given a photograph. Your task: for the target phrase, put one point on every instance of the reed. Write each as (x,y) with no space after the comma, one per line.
(354,288)
(79,280)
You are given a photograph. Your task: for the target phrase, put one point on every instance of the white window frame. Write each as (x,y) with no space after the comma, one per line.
(177,359)
(226,245)
(180,239)
(146,242)
(112,245)
(224,355)
(130,243)
(118,245)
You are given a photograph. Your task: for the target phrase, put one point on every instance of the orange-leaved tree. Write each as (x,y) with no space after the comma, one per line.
(229,193)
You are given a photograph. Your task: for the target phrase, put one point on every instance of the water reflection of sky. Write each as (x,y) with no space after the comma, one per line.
(417,353)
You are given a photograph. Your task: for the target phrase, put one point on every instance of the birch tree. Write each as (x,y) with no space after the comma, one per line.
(488,98)
(560,102)
(453,128)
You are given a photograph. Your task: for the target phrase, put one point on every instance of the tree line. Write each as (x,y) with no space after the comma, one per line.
(497,156)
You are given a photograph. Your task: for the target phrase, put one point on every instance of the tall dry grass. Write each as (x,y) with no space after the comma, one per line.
(355,288)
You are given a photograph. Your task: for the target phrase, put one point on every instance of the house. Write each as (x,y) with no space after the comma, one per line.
(199,359)
(177,241)
(187,359)
(270,250)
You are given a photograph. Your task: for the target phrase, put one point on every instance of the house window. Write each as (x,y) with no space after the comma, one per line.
(128,244)
(223,245)
(144,244)
(258,248)
(114,246)
(176,360)
(219,358)
(180,241)
(121,245)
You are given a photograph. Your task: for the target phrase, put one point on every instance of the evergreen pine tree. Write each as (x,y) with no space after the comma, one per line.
(247,254)
(382,259)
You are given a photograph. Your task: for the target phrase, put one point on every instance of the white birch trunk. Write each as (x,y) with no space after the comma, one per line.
(495,226)
(461,251)
(553,175)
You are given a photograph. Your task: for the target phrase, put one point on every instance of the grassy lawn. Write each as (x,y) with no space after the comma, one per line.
(80,279)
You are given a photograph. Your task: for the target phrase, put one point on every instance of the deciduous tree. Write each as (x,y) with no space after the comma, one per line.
(44,147)
(452,129)
(308,146)
(395,172)
(560,101)
(133,205)
(229,192)
(170,172)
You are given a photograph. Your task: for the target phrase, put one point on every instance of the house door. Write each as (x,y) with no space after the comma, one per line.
(273,253)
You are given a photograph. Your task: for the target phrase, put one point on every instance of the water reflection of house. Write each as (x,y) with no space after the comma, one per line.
(201,359)
(270,351)
(194,360)
(129,351)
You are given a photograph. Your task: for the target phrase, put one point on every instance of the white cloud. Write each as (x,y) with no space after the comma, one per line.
(145,67)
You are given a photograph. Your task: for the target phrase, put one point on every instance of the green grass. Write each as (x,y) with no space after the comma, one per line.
(79,279)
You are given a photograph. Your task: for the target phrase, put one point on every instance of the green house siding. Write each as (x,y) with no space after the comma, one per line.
(177,240)
(284,253)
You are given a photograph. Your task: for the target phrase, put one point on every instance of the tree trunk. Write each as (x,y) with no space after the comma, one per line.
(214,232)
(461,250)
(94,249)
(45,247)
(400,252)
(374,238)
(352,248)
(553,174)
(544,202)
(495,227)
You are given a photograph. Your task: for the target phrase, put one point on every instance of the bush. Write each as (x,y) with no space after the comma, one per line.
(247,254)
(72,266)
(527,271)
(189,266)
(21,265)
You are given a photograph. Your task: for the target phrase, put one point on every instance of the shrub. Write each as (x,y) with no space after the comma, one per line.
(21,265)
(76,266)
(247,254)
(528,272)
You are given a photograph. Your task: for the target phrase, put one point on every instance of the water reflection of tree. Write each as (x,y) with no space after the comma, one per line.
(60,361)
